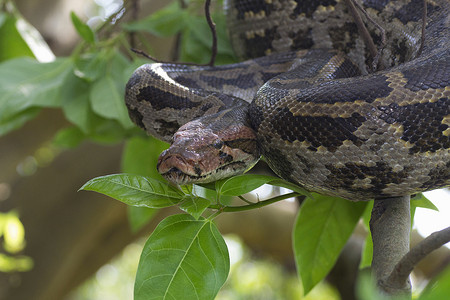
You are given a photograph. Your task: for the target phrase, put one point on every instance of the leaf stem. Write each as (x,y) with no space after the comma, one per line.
(254,205)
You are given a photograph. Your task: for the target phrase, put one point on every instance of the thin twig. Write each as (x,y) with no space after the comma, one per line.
(382,32)
(405,266)
(134,17)
(175,53)
(362,29)
(424,24)
(254,205)
(212,26)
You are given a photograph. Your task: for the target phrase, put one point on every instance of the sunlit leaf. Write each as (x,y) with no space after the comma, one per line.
(421,201)
(195,206)
(26,83)
(11,42)
(135,190)
(83,30)
(241,184)
(321,230)
(184,258)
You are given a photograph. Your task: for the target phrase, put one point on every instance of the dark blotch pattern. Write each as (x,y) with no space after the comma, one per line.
(422,124)
(339,36)
(136,116)
(439,177)
(359,89)
(160,99)
(257,116)
(242,81)
(432,74)
(279,163)
(254,6)
(302,39)
(246,145)
(319,131)
(381,175)
(413,11)
(257,46)
(309,7)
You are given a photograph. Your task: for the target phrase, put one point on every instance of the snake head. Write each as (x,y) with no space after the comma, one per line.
(201,152)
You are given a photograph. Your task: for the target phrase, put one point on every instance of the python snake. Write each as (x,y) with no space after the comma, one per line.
(319,117)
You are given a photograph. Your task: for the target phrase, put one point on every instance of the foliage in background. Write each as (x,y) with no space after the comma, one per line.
(88,87)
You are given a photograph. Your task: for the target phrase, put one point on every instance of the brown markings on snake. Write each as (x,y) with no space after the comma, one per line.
(438,177)
(344,37)
(309,7)
(381,175)
(246,145)
(359,89)
(135,116)
(255,7)
(166,128)
(422,124)
(242,81)
(257,45)
(279,163)
(318,131)
(160,99)
(413,11)
(301,39)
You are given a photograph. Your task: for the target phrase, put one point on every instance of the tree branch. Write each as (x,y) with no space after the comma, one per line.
(405,266)
(390,225)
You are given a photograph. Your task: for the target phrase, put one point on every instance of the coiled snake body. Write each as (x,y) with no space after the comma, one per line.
(319,117)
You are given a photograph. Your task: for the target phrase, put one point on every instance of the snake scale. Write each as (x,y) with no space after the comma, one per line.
(310,104)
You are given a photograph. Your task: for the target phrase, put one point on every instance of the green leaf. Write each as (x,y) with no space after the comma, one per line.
(241,184)
(107,100)
(184,258)
(83,30)
(421,201)
(195,206)
(165,22)
(26,83)
(75,103)
(321,230)
(91,66)
(18,120)
(11,42)
(135,190)
(438,288)
(69,137)
(367,253)
(140,156)
(138,217)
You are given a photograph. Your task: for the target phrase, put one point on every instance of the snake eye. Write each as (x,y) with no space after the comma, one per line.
(218,144)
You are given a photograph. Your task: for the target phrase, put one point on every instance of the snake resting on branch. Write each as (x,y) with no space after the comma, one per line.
(309,104)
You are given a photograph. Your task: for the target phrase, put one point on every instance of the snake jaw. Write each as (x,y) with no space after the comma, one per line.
(199,154)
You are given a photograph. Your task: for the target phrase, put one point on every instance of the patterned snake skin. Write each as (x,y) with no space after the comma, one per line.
(319,117)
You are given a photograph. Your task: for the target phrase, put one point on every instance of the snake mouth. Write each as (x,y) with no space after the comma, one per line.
(178,171)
